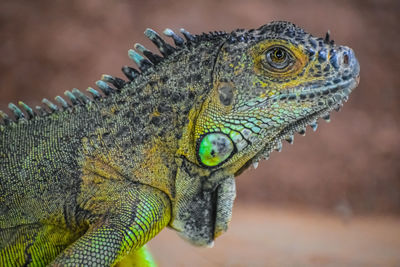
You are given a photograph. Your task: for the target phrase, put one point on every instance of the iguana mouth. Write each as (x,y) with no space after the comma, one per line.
(341,95)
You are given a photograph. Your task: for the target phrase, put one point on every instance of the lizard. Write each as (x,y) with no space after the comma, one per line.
(90,179)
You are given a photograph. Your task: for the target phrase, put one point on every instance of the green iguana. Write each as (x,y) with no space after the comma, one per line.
(88,181)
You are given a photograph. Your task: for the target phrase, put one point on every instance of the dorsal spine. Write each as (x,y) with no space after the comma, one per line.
(144,59)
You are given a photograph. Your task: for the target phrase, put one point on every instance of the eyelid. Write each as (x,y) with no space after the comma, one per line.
(298,58)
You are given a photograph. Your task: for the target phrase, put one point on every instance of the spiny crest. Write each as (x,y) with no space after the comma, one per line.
(143,58)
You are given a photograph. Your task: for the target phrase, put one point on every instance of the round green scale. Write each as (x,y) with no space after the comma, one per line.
(214,149)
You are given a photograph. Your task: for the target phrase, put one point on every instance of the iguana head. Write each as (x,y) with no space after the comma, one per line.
(267,84)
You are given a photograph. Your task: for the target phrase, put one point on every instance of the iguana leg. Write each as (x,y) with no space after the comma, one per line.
(133,218)
(138,258)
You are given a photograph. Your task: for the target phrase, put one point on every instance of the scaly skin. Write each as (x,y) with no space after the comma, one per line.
(90,182)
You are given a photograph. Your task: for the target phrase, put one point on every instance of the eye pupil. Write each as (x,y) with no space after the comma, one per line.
(279,53)
(277,59)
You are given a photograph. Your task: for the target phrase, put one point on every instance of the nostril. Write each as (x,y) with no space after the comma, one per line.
(345,59)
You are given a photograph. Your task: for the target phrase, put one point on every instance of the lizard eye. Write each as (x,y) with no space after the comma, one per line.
(214,149)
(277,58)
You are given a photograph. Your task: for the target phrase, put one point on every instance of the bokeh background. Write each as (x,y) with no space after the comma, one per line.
(331,199)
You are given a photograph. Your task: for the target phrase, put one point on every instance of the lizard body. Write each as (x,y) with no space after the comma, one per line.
(91,180)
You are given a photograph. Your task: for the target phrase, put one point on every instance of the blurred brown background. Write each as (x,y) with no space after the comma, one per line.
(347,169)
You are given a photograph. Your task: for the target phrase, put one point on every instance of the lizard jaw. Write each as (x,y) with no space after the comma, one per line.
(299,126)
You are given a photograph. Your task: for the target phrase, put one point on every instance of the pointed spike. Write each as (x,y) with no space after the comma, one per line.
(53,107)
(177,39)
(337,109)
(135,56)
(94,92)
(164,47)
(255,164)
(62,102)
(41,111)
(140,48)
(130,73)
(27,109)
(5,118)
(117,82)
(266,156)
(314,125)
(141,62)
(154,58)
(71,97)
(327,118)
(278,146)
(188,36)
(17,112)
(104,87)
(81,96)
(290,139)
(302,131)
(327,36)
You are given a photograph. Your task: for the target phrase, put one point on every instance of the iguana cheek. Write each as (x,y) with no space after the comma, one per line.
(214,149)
